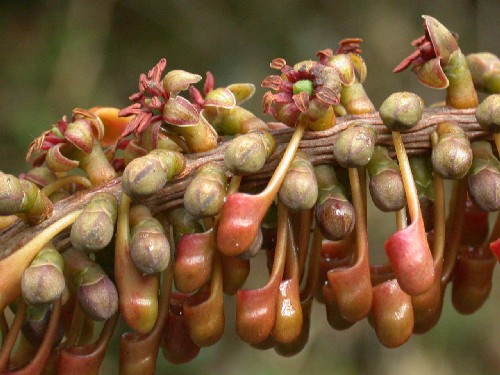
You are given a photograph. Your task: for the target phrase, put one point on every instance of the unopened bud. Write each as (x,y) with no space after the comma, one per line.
(299,189)
(149,246)
(354,146)
(93,229)
(484,177)
(248,153)
(206,193)
(401,111)
(148,174)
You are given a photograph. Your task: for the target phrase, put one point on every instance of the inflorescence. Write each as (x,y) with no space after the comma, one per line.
(155,211)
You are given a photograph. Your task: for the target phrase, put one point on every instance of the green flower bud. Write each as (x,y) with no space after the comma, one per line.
(334,213)
(401,111)
(484,177)
(179,80)
(299,189)
(94,228)
(485,70)
(488,114)
(386,184)
(41,176)
(12,195)
(96,293)
(149,246)
(23,196)
(248,153)
(206,193)
(452,156)
(148,174)
(43,280)
(354,146)
(183,222)
(37,321)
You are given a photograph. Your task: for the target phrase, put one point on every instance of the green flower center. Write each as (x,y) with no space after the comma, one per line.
(303,85)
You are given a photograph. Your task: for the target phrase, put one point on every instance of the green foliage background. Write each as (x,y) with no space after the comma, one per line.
(57,55)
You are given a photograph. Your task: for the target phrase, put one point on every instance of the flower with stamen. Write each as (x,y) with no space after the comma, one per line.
(308,87)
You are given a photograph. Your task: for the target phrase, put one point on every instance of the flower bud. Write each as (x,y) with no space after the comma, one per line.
(485,70)
(183,222)
(401,111)
(354,146)
(94,228)
(179,80)
(35,326)
(97,294)
(484,177)
(299,189)
(386,184)
(334,213)
(149,246)
(488,114)
(247,154)
(206,193)
(12,195)
(43,280)
(41,176)
(237,120)
(452,156)
(148,174)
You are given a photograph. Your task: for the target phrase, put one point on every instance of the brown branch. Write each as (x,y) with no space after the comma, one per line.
(317,145)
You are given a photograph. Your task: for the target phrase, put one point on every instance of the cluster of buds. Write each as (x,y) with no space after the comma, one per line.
(184,192)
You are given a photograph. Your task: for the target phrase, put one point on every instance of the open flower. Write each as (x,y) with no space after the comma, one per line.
(308,88)
(154,92)
(433,52)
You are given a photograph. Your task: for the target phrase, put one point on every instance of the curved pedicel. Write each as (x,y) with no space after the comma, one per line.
(38,363)
(10,339)
(352,285)
(242,213)
(289,316)
(176,344)
(256,308)
(204,311)
(427,307)
(13,266)
(391,314)
(193,261)
(408,250)
(138,293)
(138,352)
(87,359)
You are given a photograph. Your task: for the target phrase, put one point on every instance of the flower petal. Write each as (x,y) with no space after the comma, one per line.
(301,100)
(56,161)
(179,111)
(443,41)
(242,91)
(179,80)
(220,98)
(431,74)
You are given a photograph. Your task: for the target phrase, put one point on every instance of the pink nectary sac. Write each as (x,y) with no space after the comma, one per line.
(240,221)
(411,258)
(495,248)
(193,261)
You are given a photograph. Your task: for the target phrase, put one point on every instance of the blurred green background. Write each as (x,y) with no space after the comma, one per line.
(57,55)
